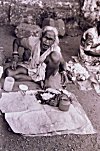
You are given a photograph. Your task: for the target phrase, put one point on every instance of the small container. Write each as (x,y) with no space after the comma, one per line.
(1,71)
(64,103)
(2,57)
(8,84)
(0,93)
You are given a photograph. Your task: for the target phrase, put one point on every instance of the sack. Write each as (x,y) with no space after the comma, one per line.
(48,22)
(59,24)
(24,30)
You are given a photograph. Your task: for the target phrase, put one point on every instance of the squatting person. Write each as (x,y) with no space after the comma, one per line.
(41,58)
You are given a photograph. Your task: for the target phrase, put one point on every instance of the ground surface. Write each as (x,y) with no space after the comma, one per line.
(89,100)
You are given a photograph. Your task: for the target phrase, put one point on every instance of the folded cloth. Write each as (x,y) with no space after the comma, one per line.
(43,119)
(49,120)
(17,102)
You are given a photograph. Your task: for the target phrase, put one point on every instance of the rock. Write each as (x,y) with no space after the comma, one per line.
(60,25)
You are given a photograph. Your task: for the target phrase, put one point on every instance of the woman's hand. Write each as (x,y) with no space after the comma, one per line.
(14,65)
(14,62)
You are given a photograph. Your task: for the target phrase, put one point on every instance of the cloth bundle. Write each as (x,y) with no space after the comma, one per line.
(24,30)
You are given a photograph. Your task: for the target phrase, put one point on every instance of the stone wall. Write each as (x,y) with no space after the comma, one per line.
(74,12)
(14,12)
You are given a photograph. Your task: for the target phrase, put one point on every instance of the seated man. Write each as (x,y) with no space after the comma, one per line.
(90,45)
(42,57)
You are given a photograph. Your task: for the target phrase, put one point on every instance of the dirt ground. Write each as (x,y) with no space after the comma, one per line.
(89,100)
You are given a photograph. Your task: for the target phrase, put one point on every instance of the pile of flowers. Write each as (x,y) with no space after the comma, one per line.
(76,71)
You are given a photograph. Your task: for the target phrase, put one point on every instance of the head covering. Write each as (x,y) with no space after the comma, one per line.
(50,28)
(36,58)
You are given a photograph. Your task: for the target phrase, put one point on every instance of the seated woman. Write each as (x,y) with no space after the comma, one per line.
(90,54)
(90,45)
(42,57)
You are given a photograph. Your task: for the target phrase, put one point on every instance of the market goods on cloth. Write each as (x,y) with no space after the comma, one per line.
(25,115)
(87,76)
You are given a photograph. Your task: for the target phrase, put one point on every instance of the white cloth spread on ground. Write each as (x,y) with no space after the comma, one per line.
(27,116)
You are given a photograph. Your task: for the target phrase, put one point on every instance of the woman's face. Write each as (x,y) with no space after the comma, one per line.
(48,40)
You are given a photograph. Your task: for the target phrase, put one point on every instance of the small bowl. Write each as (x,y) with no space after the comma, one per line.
(23,87)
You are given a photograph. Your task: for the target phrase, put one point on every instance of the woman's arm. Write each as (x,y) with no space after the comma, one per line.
(95,45)
(94,53)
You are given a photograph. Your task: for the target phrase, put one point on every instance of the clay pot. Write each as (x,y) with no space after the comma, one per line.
(64,103)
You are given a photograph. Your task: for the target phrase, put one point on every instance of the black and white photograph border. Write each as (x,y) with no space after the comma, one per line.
(57,108)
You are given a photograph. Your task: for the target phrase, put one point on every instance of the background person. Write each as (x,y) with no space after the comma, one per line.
(90,45)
